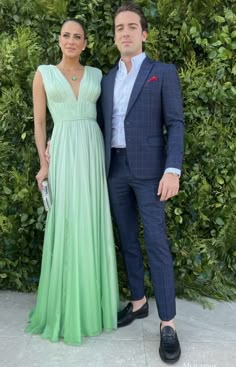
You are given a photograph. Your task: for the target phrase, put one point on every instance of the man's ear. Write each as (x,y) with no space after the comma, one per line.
(144,36)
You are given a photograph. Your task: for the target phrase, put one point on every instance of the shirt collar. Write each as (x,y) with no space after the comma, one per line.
(136,62)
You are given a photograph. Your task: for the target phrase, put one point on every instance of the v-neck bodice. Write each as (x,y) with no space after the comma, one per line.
(61,100)
(81,81)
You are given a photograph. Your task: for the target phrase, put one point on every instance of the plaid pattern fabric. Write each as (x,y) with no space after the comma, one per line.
(154,120)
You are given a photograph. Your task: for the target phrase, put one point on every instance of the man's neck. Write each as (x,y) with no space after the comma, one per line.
(128,61)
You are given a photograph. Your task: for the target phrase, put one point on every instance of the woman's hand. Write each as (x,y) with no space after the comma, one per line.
(42,175)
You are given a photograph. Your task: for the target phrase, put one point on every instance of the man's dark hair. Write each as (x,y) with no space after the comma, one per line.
(135,9)
(76,21)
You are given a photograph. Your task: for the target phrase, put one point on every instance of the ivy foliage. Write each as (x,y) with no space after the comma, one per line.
(200,38)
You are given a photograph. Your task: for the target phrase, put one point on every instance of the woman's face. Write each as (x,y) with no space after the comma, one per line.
(72,40)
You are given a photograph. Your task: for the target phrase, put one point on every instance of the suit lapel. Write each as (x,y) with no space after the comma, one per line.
(144,71)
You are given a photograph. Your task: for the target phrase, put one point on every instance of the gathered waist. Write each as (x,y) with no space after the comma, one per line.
(75,120)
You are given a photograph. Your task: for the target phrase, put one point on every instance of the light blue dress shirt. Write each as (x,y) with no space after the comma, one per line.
(124,83)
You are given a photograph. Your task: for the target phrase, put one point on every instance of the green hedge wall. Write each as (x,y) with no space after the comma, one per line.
(200,37)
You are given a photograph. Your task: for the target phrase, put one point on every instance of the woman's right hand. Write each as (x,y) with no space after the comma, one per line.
(42,175)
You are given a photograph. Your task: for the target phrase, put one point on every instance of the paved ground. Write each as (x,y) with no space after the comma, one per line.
(208,339)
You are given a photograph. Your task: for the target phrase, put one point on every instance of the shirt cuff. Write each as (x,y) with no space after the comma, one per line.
(173,170)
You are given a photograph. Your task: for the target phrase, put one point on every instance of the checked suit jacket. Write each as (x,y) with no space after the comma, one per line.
(153,123)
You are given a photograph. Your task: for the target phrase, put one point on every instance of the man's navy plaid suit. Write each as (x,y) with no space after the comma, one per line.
(154,142)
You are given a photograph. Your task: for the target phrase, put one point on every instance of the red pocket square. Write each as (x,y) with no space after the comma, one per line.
(152,79)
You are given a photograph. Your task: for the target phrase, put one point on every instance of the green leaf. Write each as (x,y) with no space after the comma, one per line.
(234,70)
(23,136)
(24,217)
(7,190)
(212,54)
(233,34)
(219,221)
(220,180)
(16,18)
(233,45)
(3,275)
(40,210)
(178,211)
(225,53)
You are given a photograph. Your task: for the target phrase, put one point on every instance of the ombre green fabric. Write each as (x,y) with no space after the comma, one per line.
(78,292)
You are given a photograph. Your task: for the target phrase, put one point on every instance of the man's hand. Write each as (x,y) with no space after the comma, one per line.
(47,154)
(168,186)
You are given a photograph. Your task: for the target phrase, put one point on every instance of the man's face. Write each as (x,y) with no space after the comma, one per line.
(129,35)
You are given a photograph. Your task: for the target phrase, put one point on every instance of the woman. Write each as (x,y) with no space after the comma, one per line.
(77,294)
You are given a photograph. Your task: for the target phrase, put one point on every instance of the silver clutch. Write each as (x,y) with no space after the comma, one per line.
(46,195)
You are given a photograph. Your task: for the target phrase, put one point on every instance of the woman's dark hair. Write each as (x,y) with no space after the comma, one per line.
(135,9)
(75,21)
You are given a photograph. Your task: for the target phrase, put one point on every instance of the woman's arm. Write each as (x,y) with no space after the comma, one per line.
(39,102)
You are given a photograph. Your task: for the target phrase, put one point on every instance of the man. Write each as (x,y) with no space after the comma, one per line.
(140,98)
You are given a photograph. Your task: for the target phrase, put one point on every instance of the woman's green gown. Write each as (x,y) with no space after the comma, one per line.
(78,293)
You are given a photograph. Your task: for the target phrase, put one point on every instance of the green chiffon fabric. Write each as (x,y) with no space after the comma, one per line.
(78,292)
